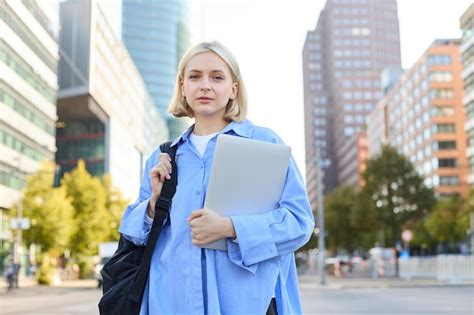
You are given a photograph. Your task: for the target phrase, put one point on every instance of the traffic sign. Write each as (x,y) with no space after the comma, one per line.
(22,224)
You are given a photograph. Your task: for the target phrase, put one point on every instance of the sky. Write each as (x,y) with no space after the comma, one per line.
(267,38)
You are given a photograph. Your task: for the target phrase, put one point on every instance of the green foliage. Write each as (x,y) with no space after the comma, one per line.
(397,192)
(76,216)
(49,210)
(449,221)
(44,274)
(349,220)
(90,214)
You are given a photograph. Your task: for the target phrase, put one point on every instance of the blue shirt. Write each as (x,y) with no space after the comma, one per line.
(185,279)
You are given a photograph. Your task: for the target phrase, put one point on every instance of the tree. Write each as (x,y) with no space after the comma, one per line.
(397,192)
(50,213)
(90,215)
(348,220)
(448,222)
(115,205)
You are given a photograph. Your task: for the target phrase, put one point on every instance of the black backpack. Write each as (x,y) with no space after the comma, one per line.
(126,273)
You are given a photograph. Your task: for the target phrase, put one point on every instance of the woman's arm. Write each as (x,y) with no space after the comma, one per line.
(135,224)
(275,232)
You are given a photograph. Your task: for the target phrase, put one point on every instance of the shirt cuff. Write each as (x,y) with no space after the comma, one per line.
(148,220)
(134,226)
(255,238)
(233,251)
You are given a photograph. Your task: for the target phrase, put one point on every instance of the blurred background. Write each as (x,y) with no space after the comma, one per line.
(375,97)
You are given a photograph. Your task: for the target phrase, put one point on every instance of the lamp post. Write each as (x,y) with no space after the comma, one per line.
(18,237)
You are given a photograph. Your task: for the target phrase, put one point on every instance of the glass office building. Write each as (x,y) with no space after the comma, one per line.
(28,88)
(102,100)
(155,33)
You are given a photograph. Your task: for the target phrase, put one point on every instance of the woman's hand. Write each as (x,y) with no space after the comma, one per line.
(158,174)
(208,226)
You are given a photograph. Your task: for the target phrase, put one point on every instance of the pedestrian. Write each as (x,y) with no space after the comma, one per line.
(11,274)
(257,274)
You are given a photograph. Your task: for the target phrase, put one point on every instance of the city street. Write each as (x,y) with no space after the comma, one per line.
(342,297)
(389,301)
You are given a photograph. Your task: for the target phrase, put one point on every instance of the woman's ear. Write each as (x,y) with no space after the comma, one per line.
(235,90)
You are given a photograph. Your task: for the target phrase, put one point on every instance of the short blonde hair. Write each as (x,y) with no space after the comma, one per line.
(236,108)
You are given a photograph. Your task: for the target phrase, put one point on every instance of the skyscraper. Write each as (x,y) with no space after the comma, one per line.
(343,58)
(102,99)
(467,52)
(423,117)
(28,89)
(156,35)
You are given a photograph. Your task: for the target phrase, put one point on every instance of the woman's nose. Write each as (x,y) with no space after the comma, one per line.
(205,86)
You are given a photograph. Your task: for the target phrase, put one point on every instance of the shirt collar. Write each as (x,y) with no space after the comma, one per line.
(243,129)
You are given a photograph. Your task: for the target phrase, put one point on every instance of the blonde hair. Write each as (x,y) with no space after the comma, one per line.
(236,109)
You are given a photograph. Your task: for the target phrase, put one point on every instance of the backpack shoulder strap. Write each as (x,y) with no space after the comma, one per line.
(162,207)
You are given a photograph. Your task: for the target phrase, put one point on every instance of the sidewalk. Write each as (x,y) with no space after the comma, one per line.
(312,281)
(28,286)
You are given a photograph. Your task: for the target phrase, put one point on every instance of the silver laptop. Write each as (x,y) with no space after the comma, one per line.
(247,177)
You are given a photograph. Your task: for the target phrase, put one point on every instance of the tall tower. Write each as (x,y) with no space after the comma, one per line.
(423,117)
(467,48)
(156,35)
(343,58)
(28,90)
(102,100)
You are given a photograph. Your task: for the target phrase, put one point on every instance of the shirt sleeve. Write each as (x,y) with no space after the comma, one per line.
(276,232)
(136,224)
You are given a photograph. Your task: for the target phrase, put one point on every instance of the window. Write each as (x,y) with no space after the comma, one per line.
(441,93)
(439,59)
(441,76)
(444,111)
(444,128)
(446,145)
(447,162)
(349,107)
(448,180)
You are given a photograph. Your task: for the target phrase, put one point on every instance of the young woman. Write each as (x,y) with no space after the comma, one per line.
(257,274)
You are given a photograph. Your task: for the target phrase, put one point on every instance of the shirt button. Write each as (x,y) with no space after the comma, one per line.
(202,166)
(198,192)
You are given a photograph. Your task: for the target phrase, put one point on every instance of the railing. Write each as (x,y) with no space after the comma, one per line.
(453,268)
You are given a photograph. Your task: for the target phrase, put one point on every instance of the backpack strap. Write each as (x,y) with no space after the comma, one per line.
(162,207)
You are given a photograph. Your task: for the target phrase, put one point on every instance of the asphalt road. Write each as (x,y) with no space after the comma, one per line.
(340,300)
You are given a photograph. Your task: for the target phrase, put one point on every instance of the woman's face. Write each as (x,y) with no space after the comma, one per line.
(208,85)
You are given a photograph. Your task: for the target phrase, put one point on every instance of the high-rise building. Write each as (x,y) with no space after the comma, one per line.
(467,52)
(343,57)
(102,99)
(423,117)
(156,35)
(28,89)
(352,157)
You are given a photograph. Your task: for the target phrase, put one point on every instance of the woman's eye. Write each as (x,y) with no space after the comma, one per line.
(193,76)
(218,78)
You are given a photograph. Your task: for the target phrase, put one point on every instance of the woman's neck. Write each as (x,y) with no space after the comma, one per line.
(204,127)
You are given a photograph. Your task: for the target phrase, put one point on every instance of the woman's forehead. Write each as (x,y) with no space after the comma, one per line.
(207,61)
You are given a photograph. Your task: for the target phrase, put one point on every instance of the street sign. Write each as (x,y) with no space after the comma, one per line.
(407,235)
(22,224)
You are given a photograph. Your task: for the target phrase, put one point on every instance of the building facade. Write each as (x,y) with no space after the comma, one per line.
(467,52)
(28,90)
(156,35)
(352,158)
(343,57)
(423,117)
(102,100)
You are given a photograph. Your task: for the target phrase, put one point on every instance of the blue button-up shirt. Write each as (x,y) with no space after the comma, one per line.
(185,279)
